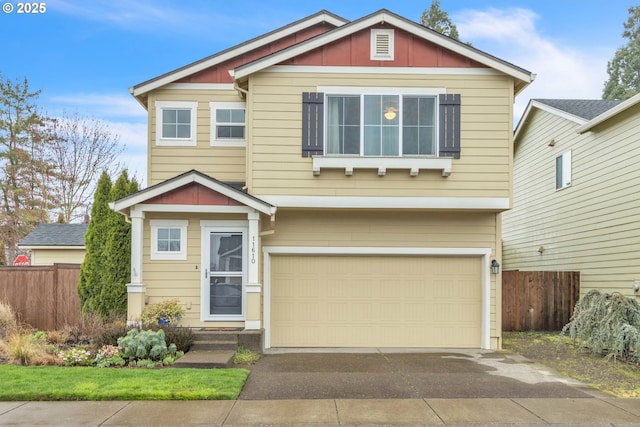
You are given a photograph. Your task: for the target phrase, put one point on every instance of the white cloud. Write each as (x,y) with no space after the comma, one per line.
(562,71)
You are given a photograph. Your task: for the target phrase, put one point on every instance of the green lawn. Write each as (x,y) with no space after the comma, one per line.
(58,383)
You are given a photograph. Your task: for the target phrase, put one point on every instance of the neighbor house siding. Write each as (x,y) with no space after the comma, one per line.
(223,163)
(57,256)
(391,229)
(591,226)
(277,167)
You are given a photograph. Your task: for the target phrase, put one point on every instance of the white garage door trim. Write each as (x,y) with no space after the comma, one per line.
(485,253)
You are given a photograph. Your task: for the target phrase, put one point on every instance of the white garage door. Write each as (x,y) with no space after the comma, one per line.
(375,301)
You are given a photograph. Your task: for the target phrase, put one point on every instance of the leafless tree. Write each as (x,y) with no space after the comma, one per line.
(80,150)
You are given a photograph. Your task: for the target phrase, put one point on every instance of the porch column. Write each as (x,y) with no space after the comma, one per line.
(136,289)
(253,288)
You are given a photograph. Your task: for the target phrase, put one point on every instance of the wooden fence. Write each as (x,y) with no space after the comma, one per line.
(45,297)
(538,300)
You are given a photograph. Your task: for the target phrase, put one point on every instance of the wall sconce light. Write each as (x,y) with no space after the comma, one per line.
(541,249)
(390,113)
(495,267)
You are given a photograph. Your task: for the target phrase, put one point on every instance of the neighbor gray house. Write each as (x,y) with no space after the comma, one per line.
(576,203)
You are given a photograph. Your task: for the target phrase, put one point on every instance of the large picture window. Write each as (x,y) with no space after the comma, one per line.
(381,125)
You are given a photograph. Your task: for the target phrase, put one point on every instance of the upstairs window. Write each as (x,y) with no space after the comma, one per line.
(563,170)
(176,123)
(228,123)
(381,125)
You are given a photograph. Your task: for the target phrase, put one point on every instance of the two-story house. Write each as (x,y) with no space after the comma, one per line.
(576,200)
(332,183)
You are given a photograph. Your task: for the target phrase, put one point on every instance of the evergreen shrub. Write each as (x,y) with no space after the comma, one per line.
(608,324)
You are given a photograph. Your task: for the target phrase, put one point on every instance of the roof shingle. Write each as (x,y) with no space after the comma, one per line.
(585,108)
(56,235)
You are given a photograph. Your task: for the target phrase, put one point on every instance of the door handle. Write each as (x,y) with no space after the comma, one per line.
(206,273)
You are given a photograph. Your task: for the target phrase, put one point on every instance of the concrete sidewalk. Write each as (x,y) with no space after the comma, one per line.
(326,412)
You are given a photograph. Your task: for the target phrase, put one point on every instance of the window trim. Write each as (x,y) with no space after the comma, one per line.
(375,56)
(223,142)
(182,225)
(177,105)
(362,92)
(565,163)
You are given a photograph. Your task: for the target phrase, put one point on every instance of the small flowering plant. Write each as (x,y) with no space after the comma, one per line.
(109,355)
(76,357)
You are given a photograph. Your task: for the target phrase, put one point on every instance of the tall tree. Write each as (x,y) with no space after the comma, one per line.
(24,169)
(624,68)
(80,149)
(94,264)
(438,20)
(107,264)
(113,295)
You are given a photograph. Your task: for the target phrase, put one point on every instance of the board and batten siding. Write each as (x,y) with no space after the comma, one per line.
(592,226)
(355,228)
(277,167)
(223,163)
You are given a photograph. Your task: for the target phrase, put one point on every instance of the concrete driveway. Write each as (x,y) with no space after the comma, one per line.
(386,375)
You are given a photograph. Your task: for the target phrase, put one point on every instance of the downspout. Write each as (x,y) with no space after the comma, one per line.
(243,92)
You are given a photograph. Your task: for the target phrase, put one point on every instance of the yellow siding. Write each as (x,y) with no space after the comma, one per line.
(165,279)
(223,163)
(591,226)
(277,167)
(57,256)
(391,229)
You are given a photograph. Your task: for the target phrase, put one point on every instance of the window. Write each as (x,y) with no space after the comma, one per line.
(228,123)
(176,123)
(381,125)
(169,239)
(563,170)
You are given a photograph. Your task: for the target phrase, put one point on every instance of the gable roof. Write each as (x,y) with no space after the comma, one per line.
(55,235)
(193,176)
(322,16)
(522,76)
(579,111)
(343,29)
(612,112)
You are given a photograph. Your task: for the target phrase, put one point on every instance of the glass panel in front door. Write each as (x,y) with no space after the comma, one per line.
(225,279)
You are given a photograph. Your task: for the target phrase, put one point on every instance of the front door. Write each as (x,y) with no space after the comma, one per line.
(224,273)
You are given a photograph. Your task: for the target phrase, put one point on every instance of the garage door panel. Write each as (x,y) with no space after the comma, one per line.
(375,301)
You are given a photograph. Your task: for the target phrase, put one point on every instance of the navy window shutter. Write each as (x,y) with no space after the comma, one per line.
(449,143)
(312,124)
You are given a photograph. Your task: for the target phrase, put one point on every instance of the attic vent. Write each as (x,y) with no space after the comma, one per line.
(382,45)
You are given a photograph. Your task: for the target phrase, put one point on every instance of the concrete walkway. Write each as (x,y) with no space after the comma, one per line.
(326,412)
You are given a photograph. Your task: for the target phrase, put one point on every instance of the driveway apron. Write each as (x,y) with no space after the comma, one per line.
(382,375)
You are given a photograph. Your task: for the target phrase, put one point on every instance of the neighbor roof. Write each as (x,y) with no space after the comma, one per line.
(579,111)
(55,235)
(585,108)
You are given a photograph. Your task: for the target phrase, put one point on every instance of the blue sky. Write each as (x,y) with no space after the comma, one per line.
(85,54)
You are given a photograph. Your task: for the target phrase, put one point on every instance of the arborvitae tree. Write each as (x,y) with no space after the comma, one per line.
(438,20)
(624,68)
(117,273)
(94,265)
